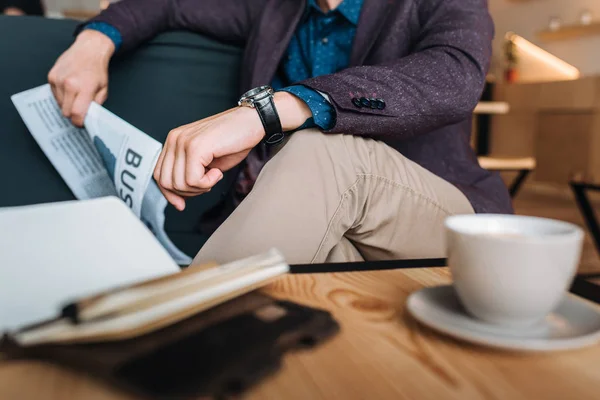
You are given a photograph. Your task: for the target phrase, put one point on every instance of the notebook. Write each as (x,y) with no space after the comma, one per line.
(90,271)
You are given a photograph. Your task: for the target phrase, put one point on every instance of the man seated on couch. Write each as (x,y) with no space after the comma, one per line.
(375,98)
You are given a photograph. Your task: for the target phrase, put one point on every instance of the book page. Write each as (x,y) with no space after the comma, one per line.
(69,149)
(109,157)
(128,154)
(153,216)
(52,254)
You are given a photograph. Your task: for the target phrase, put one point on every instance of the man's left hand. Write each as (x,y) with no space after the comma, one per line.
(196,155)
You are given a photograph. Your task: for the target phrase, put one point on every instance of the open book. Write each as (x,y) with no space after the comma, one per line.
(80,282)
(109,157)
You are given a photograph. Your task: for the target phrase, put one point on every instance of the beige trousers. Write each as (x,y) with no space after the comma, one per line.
(335,198)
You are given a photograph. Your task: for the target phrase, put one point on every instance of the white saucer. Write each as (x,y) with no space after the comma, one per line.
(574,324)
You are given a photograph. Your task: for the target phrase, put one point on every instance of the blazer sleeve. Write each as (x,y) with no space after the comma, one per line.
(140,20)
(438,84)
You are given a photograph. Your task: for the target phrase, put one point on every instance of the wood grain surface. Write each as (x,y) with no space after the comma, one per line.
(381,353)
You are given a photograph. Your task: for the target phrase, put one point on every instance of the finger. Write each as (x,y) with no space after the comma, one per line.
(67,105)
(179,167)
(210,179)
(56,93)
(190,193)
(56,90)
(195,166)
(166,169)
(101,96)
(176,200)
(158,166)
(161,157)
(80,107)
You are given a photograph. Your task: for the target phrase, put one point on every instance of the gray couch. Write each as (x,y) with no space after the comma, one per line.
(177,78)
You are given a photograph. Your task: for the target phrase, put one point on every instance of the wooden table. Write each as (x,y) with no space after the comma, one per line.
(381,353)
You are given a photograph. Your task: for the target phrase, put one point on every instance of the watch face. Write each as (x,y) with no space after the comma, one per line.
(250,97)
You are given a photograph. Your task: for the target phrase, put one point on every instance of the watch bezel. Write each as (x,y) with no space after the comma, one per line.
(252,96)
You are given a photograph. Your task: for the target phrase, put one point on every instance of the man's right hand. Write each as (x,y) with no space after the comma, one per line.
(80,75)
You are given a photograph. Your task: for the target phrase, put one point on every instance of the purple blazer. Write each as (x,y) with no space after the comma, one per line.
(427,59)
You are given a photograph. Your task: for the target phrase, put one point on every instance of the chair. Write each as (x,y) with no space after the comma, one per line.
(523,166)
(481,142)
(581,189)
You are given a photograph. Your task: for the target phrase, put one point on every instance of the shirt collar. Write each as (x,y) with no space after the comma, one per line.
(350,9)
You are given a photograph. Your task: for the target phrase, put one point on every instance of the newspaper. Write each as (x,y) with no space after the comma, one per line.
(108,157)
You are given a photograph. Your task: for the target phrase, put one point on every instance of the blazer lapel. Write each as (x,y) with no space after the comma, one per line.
(370,23)
(276,27)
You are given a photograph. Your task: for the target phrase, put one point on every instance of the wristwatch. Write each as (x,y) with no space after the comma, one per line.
(261,98)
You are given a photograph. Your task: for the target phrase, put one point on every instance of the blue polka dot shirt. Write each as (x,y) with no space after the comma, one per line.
(321,45)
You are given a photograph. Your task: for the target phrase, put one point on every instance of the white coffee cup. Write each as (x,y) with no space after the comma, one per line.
(511,270)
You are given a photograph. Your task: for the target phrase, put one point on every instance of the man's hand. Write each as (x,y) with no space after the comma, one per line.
(13,11)
(196,155)
(80,74)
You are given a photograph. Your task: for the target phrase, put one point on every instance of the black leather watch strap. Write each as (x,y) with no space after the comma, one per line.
(270,120)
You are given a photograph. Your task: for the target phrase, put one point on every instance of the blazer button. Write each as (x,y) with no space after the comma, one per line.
(356,102)
(373,103)
(380,104)
(365,102)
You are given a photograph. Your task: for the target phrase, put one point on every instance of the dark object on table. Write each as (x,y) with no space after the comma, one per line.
(582,286)
(217,353)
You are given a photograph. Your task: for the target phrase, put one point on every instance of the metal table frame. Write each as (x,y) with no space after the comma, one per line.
(582,286)
(516,184)
(581,192)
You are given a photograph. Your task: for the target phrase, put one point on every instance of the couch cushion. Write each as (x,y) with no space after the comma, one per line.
(177,78)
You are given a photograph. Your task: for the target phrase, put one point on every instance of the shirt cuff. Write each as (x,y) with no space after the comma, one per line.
(109,30)
(323,112)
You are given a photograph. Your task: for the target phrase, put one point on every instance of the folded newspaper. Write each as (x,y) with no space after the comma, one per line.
(108,157)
